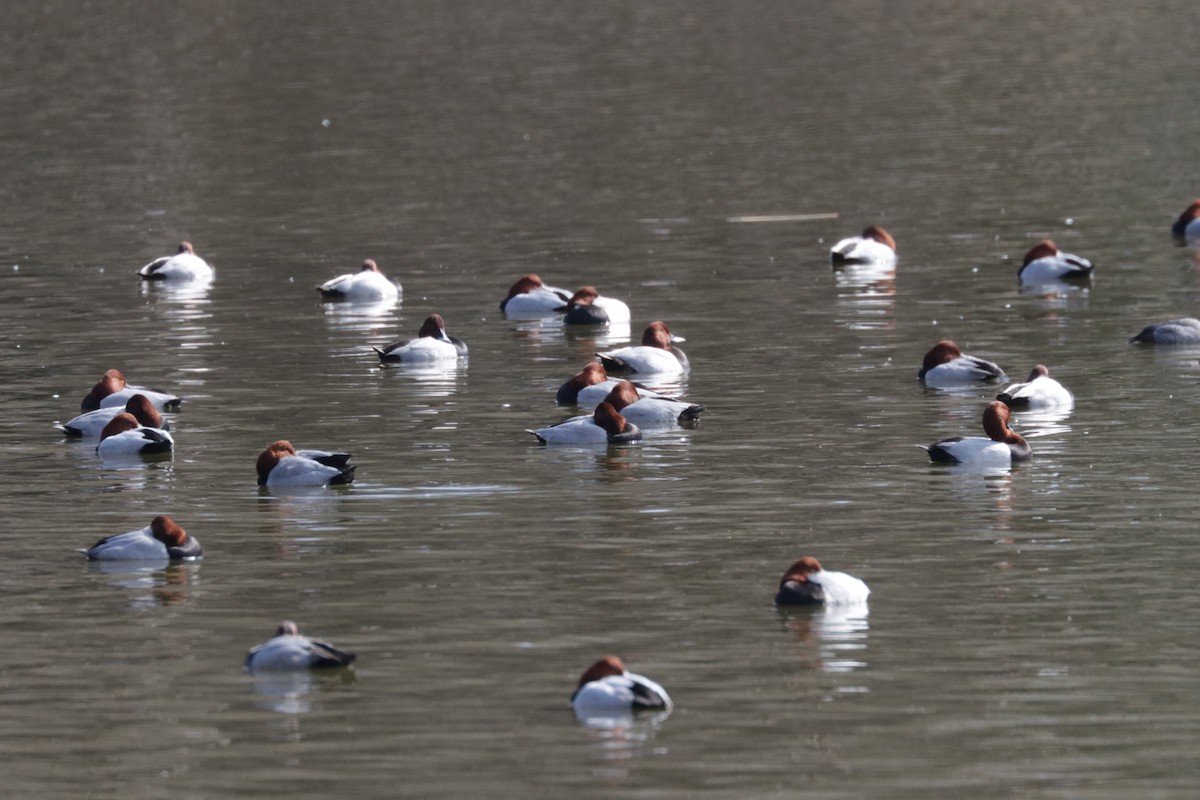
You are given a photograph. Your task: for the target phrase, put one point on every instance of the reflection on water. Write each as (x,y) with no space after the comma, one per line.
(1040,424)
(605,144)
(869,290)
(833,638)
(166,583)
(618,739)
(582,341)
(438,379)
(315,509)
(289,692)
(364,318)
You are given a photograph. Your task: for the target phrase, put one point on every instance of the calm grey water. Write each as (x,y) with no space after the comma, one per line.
(1029,634)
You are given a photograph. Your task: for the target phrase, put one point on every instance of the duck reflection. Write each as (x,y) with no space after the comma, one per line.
(584,340)
(1054,298)
(178,293)
(313,510)
(429,380)
(833,637)
(362,317)
(164,584)
(621,737)
(289,692)
(868,290)
(133,472)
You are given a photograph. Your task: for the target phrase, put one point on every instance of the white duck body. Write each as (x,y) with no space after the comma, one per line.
(1000,449)
(423,350)
(1046,264)
(1039,392)
(125,436)
(529,297)
(368,285)
(874,246)
(652,412)
(593,395)
(144,545)
(1185,330)
(432,345)
(185,265)
(619,693)
(604,426)
(807,583)
(162,401)
(655,355)
(289,651)
(300,471)
(945,365)
(608,689)
(92,423)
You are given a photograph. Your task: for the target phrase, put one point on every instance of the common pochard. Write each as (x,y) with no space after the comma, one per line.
(529,296)
(185,265)
(875,246)
(655,355)
(806,583)
(368,285)
(945,365)
(161,540)
(1000,448)
(125,436)
(606,687)
(280,465)
(604,426)
(1045,263)
(112,390)
(590,386)
(432,344)
(1038,392)
(1186,229)
(650,412)
(1185,330)
(90,424)
(289,651)
(588,307)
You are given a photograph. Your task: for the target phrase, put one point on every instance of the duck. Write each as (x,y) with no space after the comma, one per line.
(185,265)
(874,246)
(163,539)
(590,386)
(1185,330)
(288,651)
(125,436)
(1045,263)
(607,687)
(90,424)
(432,344)
(530,296)
(1186,229)
(588,307)
(281,464)
(805,583)
(604,426)
(1039,391)
(112,390)
(945,365)
(1001,448)
(650,412)
(368,285)
(656,354)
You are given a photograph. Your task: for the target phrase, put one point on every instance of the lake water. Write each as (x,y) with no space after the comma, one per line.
(1029,632)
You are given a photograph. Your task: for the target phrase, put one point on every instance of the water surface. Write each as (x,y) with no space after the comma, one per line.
(1028,633)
